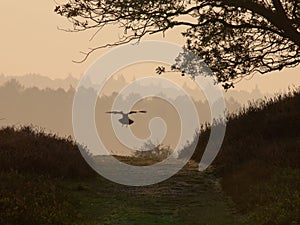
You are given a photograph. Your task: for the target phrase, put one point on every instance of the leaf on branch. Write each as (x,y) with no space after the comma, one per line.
(57,8)
(72,13)
(236,38)
(161,69)
(226,86)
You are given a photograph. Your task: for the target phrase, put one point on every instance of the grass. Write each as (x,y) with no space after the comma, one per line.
(44,180)
(254,179)
(267,130)
(261,141)
(277,200)
(29,149)
(30,199)
(187,198)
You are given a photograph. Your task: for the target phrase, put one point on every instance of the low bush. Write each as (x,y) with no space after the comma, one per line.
(31,150)
(34,200)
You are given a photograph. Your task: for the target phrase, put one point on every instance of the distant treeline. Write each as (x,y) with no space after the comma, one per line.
(52,109)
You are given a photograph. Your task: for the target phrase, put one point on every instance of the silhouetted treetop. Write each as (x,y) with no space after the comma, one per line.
(235,38)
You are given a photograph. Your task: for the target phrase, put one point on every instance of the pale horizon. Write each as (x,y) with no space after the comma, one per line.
(31,43)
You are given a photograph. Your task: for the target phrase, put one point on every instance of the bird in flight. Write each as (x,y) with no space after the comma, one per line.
(125,120)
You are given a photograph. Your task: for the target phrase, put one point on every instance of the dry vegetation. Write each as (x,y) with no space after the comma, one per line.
(261,141)
(30,150)
(258,166)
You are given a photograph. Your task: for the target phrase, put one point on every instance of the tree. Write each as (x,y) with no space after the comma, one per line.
(235,38)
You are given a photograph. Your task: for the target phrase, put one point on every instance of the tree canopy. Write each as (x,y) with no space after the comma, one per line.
(235,38)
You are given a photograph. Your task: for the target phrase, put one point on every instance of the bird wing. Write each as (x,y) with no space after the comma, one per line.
(137,111)
(115,112)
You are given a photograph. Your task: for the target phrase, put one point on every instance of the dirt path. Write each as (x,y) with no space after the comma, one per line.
(188,198)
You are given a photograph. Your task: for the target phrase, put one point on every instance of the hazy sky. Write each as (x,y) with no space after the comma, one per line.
(31,43)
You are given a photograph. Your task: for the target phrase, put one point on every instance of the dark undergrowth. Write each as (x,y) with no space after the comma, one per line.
(30,150)
(267,131)
(31,164)
(259,166)
(30,199)
(259,161)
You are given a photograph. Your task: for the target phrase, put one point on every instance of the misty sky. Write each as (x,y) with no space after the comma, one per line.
(31,43)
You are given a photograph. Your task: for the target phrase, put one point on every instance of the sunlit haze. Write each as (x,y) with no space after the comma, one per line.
(31,42)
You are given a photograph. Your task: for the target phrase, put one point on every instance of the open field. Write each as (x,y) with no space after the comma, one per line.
(254,180)
(189,197)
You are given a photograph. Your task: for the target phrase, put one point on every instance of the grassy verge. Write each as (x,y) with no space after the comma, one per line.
(275,201)
(187,198)
(259,160)
(30,199)
(44,179)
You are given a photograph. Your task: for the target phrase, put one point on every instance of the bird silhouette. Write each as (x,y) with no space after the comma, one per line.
(125,120)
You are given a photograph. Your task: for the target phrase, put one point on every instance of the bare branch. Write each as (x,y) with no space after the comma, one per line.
(235,38)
